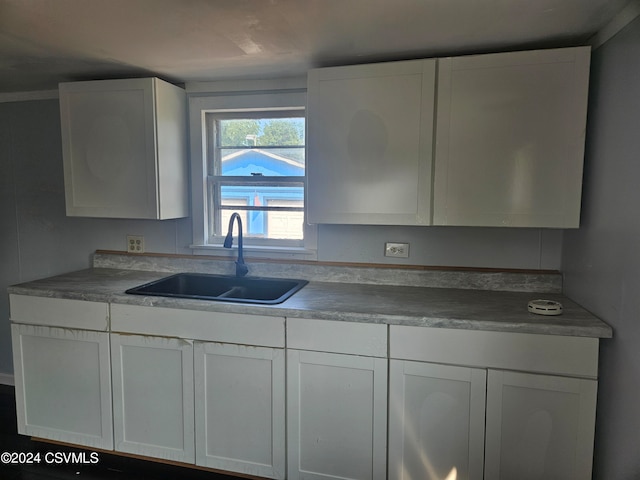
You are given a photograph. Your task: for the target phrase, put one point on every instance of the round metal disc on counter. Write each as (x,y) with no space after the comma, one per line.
(545,307)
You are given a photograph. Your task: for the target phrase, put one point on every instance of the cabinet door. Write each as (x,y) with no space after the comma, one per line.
(240,408)
(539,427)
(108,144)
(510,138)
(336,416)
(436,421)
(153,396)
(63,385)
(369,143)
(124,148)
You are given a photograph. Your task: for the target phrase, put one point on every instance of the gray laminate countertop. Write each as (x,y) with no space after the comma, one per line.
(394,305)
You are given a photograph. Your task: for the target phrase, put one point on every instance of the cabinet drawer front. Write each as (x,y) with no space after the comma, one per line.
(59,312)
(201,325)
(337,337)
(553,354)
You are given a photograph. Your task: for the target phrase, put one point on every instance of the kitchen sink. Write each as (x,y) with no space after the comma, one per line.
(226,288)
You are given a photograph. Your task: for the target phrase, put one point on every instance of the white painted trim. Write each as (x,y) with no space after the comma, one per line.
(299,253)
(228,86)
(7,379)
(28,96)
(199,104)
(621,20)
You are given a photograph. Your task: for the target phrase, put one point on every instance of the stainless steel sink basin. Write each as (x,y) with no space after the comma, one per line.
(222,288)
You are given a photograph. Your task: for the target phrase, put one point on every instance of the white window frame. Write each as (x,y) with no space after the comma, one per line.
(217,180)
(201,103)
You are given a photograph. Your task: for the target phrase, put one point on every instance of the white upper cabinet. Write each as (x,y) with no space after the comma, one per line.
(510,134)
(124,148)
(509,140)
(370,143)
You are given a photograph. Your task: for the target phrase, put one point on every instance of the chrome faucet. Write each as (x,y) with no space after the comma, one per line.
(241,268)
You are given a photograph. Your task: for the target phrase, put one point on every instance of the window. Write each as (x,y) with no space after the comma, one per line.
(256,167)
(248,156)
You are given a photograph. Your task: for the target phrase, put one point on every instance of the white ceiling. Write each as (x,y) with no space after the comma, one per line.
(43,42)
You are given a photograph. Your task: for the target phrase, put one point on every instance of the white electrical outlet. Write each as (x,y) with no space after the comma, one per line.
(135,244)
(398,250)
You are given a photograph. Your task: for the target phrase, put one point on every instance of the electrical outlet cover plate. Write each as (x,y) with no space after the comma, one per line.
(135,244)
(398,250)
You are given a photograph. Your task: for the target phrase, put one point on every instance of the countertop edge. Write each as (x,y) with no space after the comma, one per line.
(545,325)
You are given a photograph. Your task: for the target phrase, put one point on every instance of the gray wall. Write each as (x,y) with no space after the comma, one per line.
(601,260)
(448,246)
(37,239)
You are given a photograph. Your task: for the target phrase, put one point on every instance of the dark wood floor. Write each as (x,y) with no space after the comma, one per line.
(109,467)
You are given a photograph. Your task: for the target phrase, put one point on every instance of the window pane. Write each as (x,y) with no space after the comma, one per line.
(279,224)
(254,132)
(265,224)
(283,224)
(274,162)
(225,216)
(267,151)
(261,195)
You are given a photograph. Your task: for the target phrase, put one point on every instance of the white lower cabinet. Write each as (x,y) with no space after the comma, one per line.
(456,404)
(436,421)
(240,408)
(207,389)
(539,427)
(63,384)
(153,396)
(336,416)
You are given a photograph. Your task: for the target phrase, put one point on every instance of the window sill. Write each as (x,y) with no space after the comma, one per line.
(297,253)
